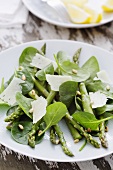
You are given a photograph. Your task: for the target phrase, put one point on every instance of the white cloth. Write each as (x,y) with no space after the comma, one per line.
(13,13)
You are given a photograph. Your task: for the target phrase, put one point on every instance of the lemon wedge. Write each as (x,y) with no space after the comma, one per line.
(96,14)
(79,3)
(78,15)
(108,6)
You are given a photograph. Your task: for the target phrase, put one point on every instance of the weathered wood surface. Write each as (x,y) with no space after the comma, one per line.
(36,29)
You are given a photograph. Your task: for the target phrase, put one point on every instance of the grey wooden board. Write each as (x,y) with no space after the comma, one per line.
(36,29)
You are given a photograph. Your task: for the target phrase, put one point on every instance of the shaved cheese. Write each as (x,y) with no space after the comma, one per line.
(97,99)
(104,77)
(41,62)
(9,93)
(39,108)
(55,81)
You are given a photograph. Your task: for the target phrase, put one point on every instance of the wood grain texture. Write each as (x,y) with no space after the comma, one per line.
(36,29)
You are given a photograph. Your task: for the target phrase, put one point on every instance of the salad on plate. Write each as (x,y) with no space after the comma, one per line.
(43,93)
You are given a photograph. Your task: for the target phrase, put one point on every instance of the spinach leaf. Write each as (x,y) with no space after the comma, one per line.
(41,74)
(91,66)
(100,86)
(27,56)
(62,56)
(67,92)
(67,67)
(21,136)
(100,110)
(88,120)
(106,108)
(28,85)
(54,113)
(24,103)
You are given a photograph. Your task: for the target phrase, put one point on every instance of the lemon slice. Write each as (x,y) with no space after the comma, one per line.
(108,6)
(96,14)
(78,15)
(79,3)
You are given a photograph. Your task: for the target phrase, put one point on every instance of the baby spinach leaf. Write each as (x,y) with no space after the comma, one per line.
(91,66)
(24,103)
(27,56)
(100,86)
(88,120)
(21,136)
(62,56)
(28,85)
(41,74)
(100,110)
(67,92)
(54,113)
(67,67)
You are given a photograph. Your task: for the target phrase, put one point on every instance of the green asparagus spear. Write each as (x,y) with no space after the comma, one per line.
(102,135)
(15,115)
(31,137)
(82,131)
(62,140)
(40,87)
(43,49)
(50,97)
(75,134)
(85,99)
(76,56)
(53,136)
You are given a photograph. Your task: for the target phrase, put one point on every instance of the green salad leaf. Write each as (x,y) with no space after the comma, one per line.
(88,120)
(67,92)
(54,113)
(21,135)
(24,103)
(92,66)
(41,74)
(28,84)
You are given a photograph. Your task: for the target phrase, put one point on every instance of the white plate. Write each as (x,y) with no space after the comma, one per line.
(46,13)
(46,150)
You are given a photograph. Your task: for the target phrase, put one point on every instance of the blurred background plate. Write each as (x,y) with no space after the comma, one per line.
(46,13)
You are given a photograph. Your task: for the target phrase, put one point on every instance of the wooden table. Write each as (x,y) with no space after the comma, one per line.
(36,29)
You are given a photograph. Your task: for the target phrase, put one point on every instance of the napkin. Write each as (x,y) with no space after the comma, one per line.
(13,13)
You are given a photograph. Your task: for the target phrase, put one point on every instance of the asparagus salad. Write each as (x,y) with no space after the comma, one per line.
(42,92)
